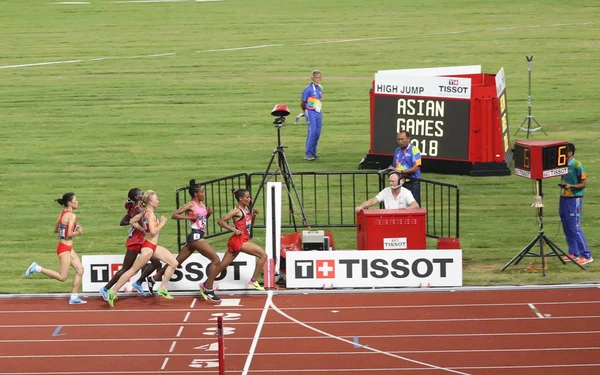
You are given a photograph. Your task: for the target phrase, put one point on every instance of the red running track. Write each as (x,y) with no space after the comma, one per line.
(516,332)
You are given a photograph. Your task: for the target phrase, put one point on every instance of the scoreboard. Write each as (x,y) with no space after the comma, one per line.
(438,127)
(456,116)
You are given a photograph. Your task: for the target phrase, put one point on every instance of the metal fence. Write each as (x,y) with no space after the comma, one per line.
(328,200)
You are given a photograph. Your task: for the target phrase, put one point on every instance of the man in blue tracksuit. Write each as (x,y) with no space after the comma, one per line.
(311,103)
(569,209)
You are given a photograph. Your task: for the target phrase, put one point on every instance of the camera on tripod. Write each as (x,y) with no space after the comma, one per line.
(281,111)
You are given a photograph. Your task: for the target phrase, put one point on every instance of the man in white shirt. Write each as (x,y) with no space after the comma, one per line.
(394,196)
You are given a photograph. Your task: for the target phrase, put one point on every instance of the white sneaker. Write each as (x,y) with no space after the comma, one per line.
(31,269)
(76,301)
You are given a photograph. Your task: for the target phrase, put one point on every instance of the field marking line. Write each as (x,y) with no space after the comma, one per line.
(535,310)
(172,346)
(349,40)
(179,332)
(240,48)
(263,317)
(193,303)
(187,316)
(274,307)
(87,60)
(301,44)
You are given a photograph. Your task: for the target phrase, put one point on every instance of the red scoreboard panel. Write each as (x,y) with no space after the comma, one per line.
(458,120)
(540,159)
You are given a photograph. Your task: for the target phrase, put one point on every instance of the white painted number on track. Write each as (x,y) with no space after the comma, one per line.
(212,347)
(226,316)
(204,363)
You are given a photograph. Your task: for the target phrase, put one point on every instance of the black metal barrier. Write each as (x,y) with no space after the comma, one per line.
(329,200)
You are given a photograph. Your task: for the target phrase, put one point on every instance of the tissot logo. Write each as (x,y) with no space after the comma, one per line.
(326,269)
(99,273)
(305,269)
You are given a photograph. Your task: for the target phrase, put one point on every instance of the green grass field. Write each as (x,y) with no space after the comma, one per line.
(149,95)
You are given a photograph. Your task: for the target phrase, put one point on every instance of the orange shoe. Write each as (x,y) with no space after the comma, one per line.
(569,257)
(582,261)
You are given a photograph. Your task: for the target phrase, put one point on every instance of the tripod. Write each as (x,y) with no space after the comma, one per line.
(541,238)
(530,117)
(284,169)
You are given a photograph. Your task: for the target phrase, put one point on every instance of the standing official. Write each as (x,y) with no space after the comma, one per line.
(569,209)
(311,103)
(407,162)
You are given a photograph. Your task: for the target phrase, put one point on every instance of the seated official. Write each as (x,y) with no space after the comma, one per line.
(394,196)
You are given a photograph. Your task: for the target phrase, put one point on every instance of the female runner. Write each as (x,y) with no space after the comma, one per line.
(150,247)
(135,239)
(67,228)
(240,240)
(197,214)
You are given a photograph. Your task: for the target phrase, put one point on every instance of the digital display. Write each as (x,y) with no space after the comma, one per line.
(554,157)
(438,127)
(522,157)
(540,159)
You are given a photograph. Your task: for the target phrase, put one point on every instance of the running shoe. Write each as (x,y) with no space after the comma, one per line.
(212,297)
(582,261)
(104,293)
(112,296)
(208,294)
(256,285)
(150,280)
(76,301)
(138,288)
(164,293)
(31,269)
(569,257)
(203,291)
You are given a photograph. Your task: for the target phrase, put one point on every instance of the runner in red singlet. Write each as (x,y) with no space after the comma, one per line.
(240,240)
(196,212)
(67,228)
(135,239)
(150,247)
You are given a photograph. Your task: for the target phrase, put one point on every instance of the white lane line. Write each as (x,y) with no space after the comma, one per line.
(187,316)
(164,363)
(500,319)
(172,346)
(263,316)
(179,332)
(240,48)
(268,354)
(553,333)
(536,311)
(193,303)
(374,307)
(363,346)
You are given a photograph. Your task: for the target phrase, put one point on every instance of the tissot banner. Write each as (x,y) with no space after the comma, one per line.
(379,268)
(99,269)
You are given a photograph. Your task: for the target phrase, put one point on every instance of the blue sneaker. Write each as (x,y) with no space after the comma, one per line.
(31,269)
(76,301)
(104,293)
(138,288)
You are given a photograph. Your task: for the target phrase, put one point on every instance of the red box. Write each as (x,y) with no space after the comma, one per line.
(402,229)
